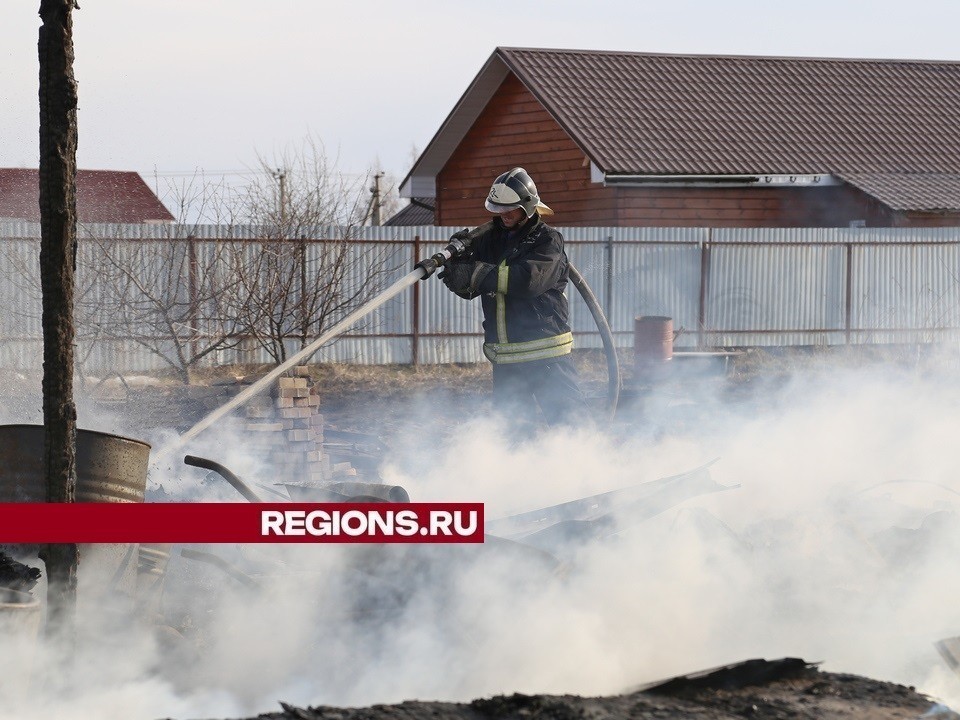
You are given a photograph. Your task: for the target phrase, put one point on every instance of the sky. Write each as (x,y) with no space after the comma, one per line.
(179,87)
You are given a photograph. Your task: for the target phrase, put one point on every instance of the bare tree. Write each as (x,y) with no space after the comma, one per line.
(58,252)
(310,269)
(297,268)
(199,198)
(171,293)
(174,296)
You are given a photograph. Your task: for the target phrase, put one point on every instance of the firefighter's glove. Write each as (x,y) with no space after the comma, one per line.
(464,278)
(461,236)
(456,276)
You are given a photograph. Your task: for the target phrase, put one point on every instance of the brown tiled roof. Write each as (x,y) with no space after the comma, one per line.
(891,127)
(919,192)
(420,211)
(103,196)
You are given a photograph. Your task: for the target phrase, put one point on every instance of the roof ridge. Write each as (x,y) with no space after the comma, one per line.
(727,56)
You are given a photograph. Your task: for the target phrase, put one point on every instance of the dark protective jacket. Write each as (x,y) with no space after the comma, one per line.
(525,313)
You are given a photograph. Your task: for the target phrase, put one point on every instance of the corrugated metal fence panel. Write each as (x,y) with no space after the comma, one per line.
(758,291)
(632,272)
(378,266)
(20,290)
(648,235)
(909,292)
(592,260)
(661,279)
(12,229)
(765,287)
(455,324)
(834,236)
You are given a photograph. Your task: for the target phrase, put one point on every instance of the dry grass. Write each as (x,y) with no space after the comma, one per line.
(394,379)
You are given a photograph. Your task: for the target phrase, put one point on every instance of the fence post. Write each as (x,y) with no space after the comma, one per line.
(415,350)
(848,292)
(704,281)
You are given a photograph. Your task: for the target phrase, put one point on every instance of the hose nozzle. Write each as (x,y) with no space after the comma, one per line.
(458,246)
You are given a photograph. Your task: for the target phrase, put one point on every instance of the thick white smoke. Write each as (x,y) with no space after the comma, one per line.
(836,543)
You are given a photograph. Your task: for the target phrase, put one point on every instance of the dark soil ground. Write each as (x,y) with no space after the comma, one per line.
(385,400)
(787,689)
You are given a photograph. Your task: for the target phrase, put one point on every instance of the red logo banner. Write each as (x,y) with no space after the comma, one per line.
(241,522)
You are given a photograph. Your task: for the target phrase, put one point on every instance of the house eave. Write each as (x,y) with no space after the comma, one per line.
(739,180)
(421,180)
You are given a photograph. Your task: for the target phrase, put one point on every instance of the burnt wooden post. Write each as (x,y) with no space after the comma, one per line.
(58,259)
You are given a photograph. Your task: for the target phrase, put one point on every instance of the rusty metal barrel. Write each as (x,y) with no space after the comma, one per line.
(110,468)
(652,339)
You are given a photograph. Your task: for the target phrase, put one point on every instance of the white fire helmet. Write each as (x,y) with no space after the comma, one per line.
(515,189)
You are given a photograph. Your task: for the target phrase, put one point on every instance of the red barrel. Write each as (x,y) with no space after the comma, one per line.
(652,339)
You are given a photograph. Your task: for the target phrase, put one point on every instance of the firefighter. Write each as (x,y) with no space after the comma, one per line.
(519,270)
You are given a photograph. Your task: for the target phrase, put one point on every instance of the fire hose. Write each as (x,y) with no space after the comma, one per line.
(457,247)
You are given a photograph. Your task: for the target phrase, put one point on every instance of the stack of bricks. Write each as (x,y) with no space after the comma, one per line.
(286,429)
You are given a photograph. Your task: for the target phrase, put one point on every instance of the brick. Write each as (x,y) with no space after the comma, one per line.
(284,402)
(296,412)
(294,392)
(264,427)
(287,383)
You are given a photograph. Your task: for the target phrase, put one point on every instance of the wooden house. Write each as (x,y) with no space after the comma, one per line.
(639,139)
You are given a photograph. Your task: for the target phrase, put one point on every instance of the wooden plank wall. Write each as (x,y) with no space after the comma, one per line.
(515,130)
(832,206)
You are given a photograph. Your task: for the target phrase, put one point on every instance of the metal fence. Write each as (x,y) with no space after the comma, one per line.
(723,288)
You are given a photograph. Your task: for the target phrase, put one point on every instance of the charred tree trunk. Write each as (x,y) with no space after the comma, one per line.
(58,257)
